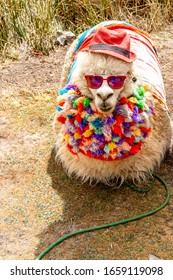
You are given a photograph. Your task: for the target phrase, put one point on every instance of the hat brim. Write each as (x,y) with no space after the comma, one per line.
(130,58)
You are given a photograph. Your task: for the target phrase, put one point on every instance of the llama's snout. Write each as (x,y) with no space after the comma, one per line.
(105,99)
(104,95)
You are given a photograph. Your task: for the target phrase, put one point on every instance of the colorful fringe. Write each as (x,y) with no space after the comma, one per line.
(112,136)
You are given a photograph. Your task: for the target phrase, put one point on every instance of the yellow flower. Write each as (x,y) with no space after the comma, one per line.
(133,99)
(137,132)
(77,136)
(112,146)
(88,133)
(151,120)
(72,91)
(146,87)
(80,99)
(67,137)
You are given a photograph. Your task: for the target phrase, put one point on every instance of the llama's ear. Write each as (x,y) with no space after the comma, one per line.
(132,76)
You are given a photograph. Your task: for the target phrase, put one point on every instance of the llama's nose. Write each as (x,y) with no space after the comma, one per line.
(104,93)
(104,96)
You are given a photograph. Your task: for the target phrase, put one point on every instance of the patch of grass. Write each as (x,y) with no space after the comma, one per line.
(34,23)
(31,21)
(148,14)
(92,254)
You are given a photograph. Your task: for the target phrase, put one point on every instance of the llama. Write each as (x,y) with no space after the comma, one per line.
(112,121)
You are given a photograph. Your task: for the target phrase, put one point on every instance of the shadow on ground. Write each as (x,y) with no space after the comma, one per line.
(87,206)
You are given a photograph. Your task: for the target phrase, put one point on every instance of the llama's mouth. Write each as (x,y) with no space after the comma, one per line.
(105,109)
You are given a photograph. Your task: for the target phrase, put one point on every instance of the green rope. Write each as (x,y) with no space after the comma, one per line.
(114,223)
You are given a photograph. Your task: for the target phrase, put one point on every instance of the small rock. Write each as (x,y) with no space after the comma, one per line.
(152,257)
(64,37)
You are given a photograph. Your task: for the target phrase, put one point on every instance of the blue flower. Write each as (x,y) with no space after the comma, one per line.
(59,108)
(97,122)
(62,91)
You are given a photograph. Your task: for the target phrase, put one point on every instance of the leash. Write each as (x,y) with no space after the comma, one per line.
(154,176)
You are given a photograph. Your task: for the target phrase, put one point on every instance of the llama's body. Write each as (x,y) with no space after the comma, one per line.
(151,131)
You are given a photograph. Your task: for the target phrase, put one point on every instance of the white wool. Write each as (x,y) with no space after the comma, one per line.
(153,150)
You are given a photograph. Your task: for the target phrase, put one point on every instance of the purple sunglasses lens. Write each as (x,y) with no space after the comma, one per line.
(94,81)
(116,81)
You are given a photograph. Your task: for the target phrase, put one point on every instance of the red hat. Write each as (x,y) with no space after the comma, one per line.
(111,42)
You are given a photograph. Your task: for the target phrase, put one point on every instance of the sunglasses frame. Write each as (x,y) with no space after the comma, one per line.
(106,79)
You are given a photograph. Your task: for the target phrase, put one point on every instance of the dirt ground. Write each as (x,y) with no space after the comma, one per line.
(40,204)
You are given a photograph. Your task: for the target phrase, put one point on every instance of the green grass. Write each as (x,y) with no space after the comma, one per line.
(36,22)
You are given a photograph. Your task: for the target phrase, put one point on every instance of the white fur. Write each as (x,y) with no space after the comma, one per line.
(153,150)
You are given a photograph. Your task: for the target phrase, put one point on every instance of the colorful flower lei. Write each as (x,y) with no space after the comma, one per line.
(104,136)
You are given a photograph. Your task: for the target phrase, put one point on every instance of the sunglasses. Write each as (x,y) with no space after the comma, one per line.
(115,82)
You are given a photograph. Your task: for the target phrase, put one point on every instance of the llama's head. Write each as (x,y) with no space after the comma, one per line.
(103,78)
